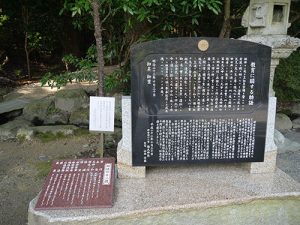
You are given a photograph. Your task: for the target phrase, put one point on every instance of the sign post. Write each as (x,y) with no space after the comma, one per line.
(102,113)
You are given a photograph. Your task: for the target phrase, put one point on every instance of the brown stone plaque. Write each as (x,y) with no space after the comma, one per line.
(79,183)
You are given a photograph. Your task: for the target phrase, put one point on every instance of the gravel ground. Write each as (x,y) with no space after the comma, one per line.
(289,161)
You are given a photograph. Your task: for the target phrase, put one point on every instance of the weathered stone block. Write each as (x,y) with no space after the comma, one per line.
(56,116)
(37,111)
(80,117)
(9,130)
(71,99)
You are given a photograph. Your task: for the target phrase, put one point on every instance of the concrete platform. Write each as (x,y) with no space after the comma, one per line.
(176,189)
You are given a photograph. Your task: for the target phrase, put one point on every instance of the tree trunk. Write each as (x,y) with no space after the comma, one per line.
(27,55)
(226,27)
(98,37)
(26,23)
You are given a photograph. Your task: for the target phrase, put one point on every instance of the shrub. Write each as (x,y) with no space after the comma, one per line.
(287,78)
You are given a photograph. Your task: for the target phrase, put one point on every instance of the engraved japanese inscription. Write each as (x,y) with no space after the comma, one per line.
(192,106)
(78,183)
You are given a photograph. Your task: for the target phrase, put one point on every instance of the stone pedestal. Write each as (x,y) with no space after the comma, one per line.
(124,150)
(282,46)
(269,164)
(178,190)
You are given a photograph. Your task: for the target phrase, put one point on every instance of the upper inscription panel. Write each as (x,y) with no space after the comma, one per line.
(178,90)
(207,83)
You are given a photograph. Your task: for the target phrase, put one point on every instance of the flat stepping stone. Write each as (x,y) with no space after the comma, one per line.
(13,105)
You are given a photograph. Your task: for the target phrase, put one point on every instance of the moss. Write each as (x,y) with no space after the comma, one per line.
(21,137)
(48,136)
(81,132)
(43,169)
(71,93)
(52,110)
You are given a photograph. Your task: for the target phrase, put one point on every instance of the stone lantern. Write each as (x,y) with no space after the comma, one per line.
(267,24)
(267,17)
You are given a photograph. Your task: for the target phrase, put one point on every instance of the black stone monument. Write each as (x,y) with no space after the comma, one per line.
(197,100)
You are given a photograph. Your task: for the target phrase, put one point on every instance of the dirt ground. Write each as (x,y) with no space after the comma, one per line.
(23,167)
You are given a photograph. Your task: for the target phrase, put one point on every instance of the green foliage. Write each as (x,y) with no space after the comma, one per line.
(77,7)
(34,41)
(111,50)
(60,80)
(170,14)
(85,70)
(131,22)
(119,81)
(287,78)
(80,11)
(46,34)
(3,18)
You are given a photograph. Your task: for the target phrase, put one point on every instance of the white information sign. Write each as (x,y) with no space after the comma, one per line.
(102,114)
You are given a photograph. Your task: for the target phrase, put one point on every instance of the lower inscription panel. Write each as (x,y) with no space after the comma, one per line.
(197,140)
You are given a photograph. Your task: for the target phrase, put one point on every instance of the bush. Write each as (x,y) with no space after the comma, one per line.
(118,81)
(287,78)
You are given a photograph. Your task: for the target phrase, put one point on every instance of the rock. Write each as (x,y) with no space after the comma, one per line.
(56,117)
(279,139)
(37,111)
(290,142)
(296,123)
(5,117)
(293,136)
(6,134)
(9,130)
(63,129)
(283,122)
(43,158)
(9,106)
(295,109)
(289,146)
(112,139)
(80,117)
(71,99)
(11,109)
(12,96)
